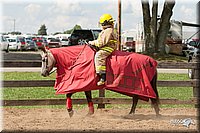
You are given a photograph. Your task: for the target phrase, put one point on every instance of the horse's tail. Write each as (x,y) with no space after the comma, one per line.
(154,86)
(155,102)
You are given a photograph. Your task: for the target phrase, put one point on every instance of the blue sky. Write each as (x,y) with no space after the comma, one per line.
(61,15)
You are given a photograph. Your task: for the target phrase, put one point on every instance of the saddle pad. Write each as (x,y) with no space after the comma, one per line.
(127,73)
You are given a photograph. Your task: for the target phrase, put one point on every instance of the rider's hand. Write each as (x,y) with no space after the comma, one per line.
(90,42)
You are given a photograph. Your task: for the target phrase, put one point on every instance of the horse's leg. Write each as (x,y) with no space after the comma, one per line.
(69,104)
(155,102)
(134,104)
(88,95)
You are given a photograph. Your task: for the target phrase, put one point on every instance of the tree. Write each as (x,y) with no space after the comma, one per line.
(42,30)
(76,27)
(57,33)
(15,33)
(155,36)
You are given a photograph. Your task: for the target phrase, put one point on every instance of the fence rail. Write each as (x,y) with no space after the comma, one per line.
(50,83)
(37,63)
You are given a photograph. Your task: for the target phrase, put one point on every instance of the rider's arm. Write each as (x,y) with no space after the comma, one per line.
(103,39)
(95,42)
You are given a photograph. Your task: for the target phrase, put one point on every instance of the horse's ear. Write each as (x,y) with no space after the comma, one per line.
(44,49)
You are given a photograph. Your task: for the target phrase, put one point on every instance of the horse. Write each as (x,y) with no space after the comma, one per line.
(67,80)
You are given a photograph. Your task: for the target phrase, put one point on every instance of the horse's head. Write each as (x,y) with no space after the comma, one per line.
(48,62)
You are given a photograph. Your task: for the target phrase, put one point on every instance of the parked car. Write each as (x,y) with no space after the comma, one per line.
(14,44)
(63,38)
(79,37)
(22,42)
(54,43)
(44,41)
(31,45)
(4,43)
(49,38)
(40,41)
(64,42)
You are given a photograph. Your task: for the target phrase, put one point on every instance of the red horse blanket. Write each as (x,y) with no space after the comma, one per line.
(127,73)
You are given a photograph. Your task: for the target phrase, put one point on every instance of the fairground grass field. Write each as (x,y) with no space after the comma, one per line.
(181,93)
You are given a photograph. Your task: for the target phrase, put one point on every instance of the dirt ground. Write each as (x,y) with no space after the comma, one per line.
(38,119)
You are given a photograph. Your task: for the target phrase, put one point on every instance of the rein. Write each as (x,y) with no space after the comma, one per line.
(52,71)
(77,58)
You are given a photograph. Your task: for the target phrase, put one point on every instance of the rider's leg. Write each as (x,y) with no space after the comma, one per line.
(102,80)
(100,65)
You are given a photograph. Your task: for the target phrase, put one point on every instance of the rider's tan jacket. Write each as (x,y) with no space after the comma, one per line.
(107,37)
(107,43)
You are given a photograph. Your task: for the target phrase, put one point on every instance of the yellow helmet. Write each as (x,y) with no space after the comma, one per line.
(106,19)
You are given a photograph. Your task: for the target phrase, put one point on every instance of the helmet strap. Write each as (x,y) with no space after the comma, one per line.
(105,23)
(107,26)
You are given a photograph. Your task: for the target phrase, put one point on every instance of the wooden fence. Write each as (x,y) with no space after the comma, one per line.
(102,100)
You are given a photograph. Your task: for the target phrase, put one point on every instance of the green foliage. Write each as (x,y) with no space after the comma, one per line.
(42,30)
(57,33)
(76,27)
(15,33)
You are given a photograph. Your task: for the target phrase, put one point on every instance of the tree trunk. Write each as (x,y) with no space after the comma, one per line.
(154,37)
(154,26)
(146,20)
(165,24)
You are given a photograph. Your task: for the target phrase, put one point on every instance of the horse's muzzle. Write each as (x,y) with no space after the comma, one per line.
(45,73)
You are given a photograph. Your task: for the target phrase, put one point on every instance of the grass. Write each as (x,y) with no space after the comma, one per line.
(25,76)
(182,93)
(37,76)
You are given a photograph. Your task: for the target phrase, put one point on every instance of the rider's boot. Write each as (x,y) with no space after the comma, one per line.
(102,79)
(69,107)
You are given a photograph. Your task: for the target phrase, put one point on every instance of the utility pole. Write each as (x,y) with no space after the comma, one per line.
(14,24)
(119,25)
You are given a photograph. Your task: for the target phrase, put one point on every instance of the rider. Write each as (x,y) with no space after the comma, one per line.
(106,44)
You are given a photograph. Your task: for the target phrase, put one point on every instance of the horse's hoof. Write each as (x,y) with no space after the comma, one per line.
(89,114)
(158,115)
(71,113)
(131,113)
(91,111)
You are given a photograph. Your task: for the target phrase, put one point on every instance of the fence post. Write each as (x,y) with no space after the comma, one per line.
(101,95)
(196,89)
